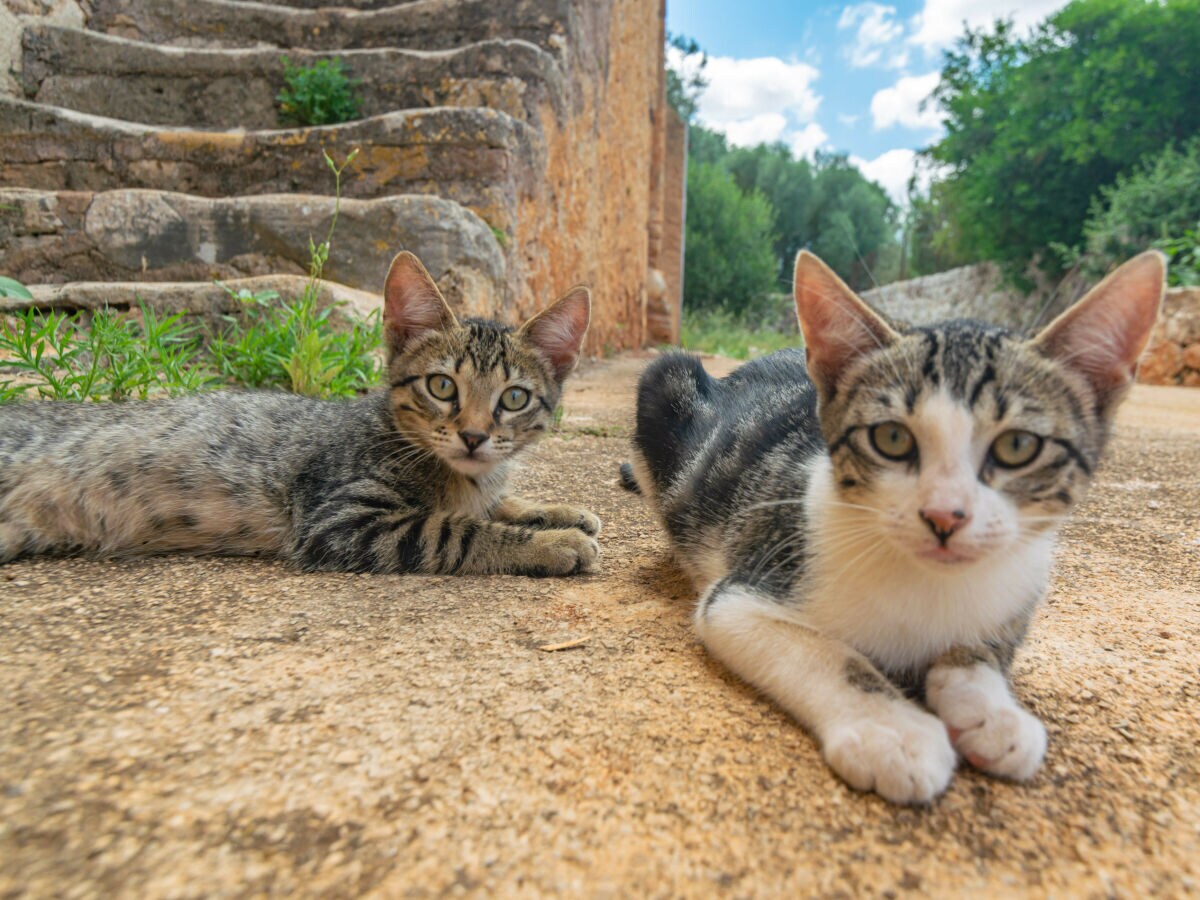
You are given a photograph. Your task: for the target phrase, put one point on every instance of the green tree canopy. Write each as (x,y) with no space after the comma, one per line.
(827,206)
(1036,126)
(728,263)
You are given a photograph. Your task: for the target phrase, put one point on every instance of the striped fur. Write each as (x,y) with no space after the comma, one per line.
(384,483)
(851,584)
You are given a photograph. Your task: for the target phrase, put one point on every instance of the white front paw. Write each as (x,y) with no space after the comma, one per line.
(988,727)
(904,755)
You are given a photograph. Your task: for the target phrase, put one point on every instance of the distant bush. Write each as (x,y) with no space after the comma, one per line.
(1184,253)
(1157,204)
(729,263)
(320,94)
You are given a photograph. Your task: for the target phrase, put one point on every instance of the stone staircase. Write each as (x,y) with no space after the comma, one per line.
(517,148)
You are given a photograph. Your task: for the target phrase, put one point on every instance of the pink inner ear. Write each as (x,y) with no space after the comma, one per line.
(838,327)
(1102,335)
(412,304)
(558,332)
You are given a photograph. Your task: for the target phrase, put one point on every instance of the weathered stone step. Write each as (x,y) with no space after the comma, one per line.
(479,158)
(349,4)
(236,88)
(421,24)
(142,235)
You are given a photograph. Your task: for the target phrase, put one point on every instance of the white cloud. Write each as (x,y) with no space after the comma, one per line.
(901,104)
(808,140)
(892,169)
(742,88)
(848,120)
(760,100)
(875,41)
(940,22)
(765,128)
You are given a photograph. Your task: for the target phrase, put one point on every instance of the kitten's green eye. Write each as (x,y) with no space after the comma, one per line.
(441,386)
(514,398)
(893,440)
(1015,448)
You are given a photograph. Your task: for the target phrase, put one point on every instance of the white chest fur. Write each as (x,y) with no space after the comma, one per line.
(897,610)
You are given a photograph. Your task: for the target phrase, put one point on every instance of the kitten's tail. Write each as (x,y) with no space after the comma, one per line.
(673,394)
(629,480)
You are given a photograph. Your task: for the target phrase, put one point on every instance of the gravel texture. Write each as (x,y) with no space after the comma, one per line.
(181,727)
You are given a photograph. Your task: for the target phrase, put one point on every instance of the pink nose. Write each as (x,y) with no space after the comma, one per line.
(944,522)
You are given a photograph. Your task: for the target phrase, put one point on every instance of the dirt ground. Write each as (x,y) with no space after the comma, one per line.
(182,727)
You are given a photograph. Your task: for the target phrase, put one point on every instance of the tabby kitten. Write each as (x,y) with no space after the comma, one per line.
(871,528)
(409,479)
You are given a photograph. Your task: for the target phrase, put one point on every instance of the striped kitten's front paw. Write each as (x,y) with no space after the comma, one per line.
(904,756)
(988,727)
(12,540)
(562,516)
(563,551)
(555,515)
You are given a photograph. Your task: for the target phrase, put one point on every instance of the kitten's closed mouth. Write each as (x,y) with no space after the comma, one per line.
(471,465)
(946,556)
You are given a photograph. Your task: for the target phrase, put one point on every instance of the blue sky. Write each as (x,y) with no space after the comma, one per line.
(833,76)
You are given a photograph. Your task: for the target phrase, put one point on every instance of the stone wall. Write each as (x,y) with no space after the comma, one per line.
(971,292)
(665,300)
(543,123)
(1173,355)
(14,15)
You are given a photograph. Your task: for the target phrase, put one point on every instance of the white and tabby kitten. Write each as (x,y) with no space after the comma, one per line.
(871,527)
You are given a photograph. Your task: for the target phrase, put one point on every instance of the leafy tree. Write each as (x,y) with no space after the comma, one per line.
(827,206)
(706,146)
(684,88)
(1036,126)
(1159,200)
(789,186)
(728,263)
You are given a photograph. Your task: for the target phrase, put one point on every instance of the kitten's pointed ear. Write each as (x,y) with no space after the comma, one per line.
(412,303)
(838,327)
(557,332)
(1102,335)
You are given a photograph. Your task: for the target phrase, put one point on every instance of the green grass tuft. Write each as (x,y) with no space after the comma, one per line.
(723,334)
(59,357)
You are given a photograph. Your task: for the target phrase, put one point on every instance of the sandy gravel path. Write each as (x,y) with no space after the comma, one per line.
(196,727)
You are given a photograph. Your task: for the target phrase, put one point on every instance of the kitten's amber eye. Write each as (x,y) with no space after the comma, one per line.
(441,386)
(893,440)
(1015,448)
(514,398)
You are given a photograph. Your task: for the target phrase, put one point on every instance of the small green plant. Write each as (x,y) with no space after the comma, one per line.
(295,345)
(320,94)
(114,357)
(722,333)
(10,287)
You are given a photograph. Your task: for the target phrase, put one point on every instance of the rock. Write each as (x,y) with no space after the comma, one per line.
(1191,378)
(1181,315)
(1191,355)
(144,235)
(1160,363)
